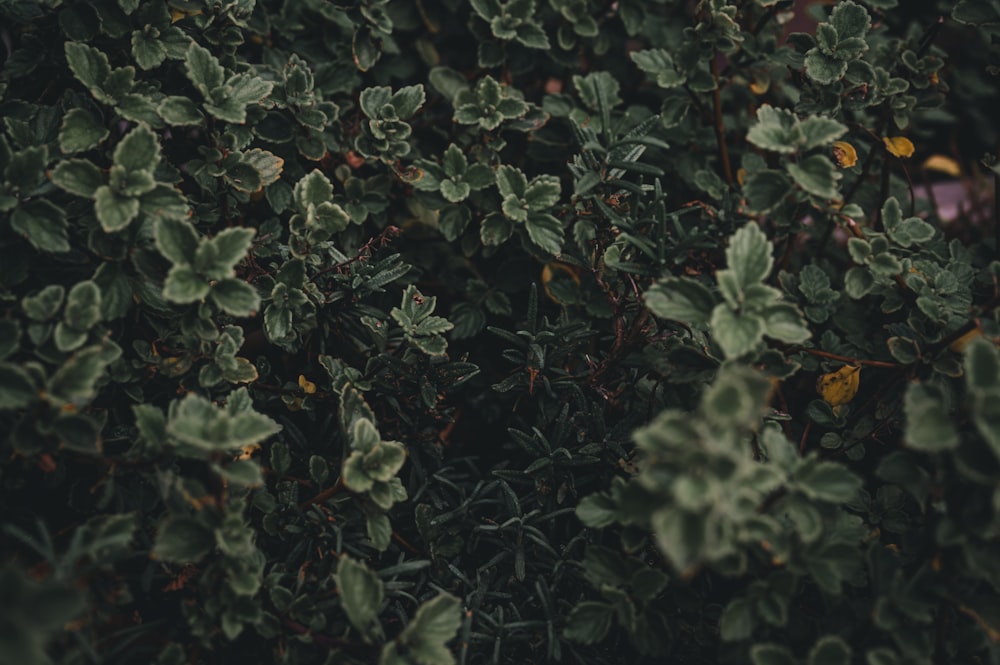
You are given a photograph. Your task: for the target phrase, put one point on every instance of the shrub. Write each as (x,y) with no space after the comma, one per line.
(498,332)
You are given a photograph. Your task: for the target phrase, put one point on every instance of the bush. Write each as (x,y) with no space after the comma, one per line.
(498,332)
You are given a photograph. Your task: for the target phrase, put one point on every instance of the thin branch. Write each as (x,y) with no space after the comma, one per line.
(849,360)
(720,127)
(323,496)
(996,214)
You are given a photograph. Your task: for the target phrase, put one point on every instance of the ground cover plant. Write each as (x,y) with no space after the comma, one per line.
(434,331)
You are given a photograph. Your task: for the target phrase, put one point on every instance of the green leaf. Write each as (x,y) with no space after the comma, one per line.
(447,81)
(314,189)
(736,398)
(881,656)
(355,474)
(901,468)
(532,36)
(407,100)
(821,131)
(319,470)
(773,130)
(195,421)
(435,623)
(361,594)
(928,426)
(149,52)
(231,246)
(453,162)
(114,212)
(545,231)
(858,282)
(138,151)
(10,337)
(182,539)
(496,229)
(67,338)
(851,21)
(90,67)
(978,13)
(180,111)
(827,481)
(162,202)
(859,249)
(44,305)
(203,70)
(80,131)
(241,473)
(78,176)
(43,224)
(589,622)
(982,365)
(749,255)
(75,380)
(830,650)
(235,297)
(16,387)
(542,193)
(681,537)
(177,240)
(771,654)
(511,182)
(766,189)
(911,231)
(823,68)
(681,299)
(807,519)
(25,170)
(817,175)
(737,621)
(736,334)
(184,286)
(267,164)
(598,90)
(373,99)
(379,531)
(83,306)
(885,264)
(455,192)
(784,322)
(660,64)
(230,102)
(597,511)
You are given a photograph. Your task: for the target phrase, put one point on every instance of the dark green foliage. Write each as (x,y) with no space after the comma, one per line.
(417,333)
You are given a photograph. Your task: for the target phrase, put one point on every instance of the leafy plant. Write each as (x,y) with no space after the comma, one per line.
(554,331)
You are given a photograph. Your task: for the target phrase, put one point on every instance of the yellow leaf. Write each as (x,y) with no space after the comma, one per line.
(900,146)
(845,154)
(549,273)
(760,85)
(840,387)
(180,14)
(741,176)
(943,164)
(308,387)
(959,344)
(246,452)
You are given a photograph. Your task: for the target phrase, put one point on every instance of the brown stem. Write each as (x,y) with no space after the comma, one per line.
(848,359)
(720,127)
(996,213)
(365,251)
(805,435)
(322,496)
(879,224)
